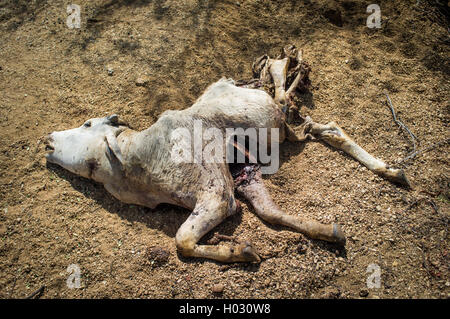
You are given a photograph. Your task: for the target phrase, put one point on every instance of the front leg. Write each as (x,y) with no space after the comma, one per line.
(336,137)
(211,209)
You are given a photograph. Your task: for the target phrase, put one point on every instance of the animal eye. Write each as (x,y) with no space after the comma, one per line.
(87,124)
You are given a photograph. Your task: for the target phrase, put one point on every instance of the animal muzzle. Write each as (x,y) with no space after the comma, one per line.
(48,142)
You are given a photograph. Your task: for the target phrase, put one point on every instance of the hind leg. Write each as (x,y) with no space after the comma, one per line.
(251,186)
(291,61)
(210,211)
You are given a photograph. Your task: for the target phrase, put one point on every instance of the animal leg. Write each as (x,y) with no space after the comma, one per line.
(336,137)
(278,71)
(207,214)
(289,64)
(253,189)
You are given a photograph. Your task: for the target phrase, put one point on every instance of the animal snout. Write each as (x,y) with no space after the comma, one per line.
(48,142)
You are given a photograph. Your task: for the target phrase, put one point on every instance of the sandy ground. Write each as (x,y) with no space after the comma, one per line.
(54,78)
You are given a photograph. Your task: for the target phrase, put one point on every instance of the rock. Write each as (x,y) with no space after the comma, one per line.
(218,288)
(387,284)
(302,249)
(141,81)
(110,71)
(331,293)
(364,293)
(157,255)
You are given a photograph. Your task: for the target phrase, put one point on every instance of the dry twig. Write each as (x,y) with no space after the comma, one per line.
(400,123)
(427,149)
(36,293)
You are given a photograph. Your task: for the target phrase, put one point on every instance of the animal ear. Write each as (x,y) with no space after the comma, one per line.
(113,146)
(113,119)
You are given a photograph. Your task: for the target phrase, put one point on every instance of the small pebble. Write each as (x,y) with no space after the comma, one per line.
(141,81)
(157,255)
(302,249)
(363,293)
(217,288)
(110,71)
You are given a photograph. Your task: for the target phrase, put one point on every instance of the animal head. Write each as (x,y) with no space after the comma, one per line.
(88,149)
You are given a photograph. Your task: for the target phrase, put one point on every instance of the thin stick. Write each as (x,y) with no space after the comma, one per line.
(36,293)
(219,237)
(427,149)
(399,123)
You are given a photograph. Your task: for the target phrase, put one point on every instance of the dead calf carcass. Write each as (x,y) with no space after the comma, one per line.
(140,167)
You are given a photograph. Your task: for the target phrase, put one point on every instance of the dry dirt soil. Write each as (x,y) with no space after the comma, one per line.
(138,58)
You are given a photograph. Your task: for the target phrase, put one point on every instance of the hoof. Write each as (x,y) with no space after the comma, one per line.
(248,252)
(338,235)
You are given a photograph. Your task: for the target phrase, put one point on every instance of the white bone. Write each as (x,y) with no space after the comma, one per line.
(278,71)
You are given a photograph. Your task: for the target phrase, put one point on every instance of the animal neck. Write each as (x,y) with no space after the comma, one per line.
(143,153)
(108,170)
(136,146)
